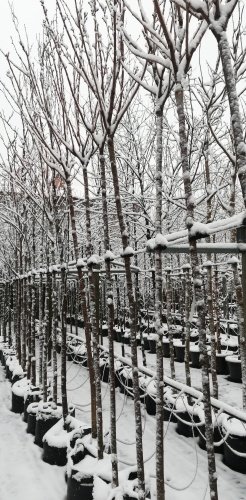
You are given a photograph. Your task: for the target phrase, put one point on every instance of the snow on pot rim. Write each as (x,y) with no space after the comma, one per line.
(232,425)
(32,408)
(165,340)
(194,348)
(18,371)
(233,359)
(20,387)
(33,390)
(11,359)
(104,491)
(48,410)
(194,332)
(57,436)
(224,354)
(230,342)
(153,336)
(178,343)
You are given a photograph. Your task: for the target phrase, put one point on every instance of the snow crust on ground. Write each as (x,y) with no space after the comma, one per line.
(23,474)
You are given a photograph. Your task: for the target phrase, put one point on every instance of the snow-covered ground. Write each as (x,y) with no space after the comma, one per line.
(24,476)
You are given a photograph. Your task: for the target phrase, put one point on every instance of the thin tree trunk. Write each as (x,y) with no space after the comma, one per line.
(199,297)
(242,340)
(64,343)
(110,311)
(131,300)
(82,285)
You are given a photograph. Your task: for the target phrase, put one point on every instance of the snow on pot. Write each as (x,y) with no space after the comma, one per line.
(56,440)
(19,390)
(6,353)
(17,374)
(228,342)
(235,369)
(179,349)
(11,363)
(194,335)
(125,376)
(32,411)
(80,354)
(82,466)
(48,415)
(187,414)
(127,489)
(234,432)
(33,395)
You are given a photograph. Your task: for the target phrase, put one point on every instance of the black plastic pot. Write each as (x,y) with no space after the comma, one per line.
(235,370)
(233,461)
(54,455)
(17,403)
(221,365)
(150,405)
(166,349)
(179,353)
(217,437)
(42,426)
(126,340)
(186,429)
(152,346)
(79,489)
(146,343)
(195,359)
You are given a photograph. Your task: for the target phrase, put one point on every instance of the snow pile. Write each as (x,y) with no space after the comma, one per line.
(48,410)
(159,242)
(231,425)
(60,434)
(20,387)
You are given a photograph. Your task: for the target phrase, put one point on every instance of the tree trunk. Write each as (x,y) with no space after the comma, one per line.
(131,301)
(199,297)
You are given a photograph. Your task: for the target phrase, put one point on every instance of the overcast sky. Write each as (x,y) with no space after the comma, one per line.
(29,15)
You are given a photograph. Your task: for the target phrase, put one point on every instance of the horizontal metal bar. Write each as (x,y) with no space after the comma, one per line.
(217,248)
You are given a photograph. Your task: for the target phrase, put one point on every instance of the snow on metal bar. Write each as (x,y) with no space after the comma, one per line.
(208,248)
